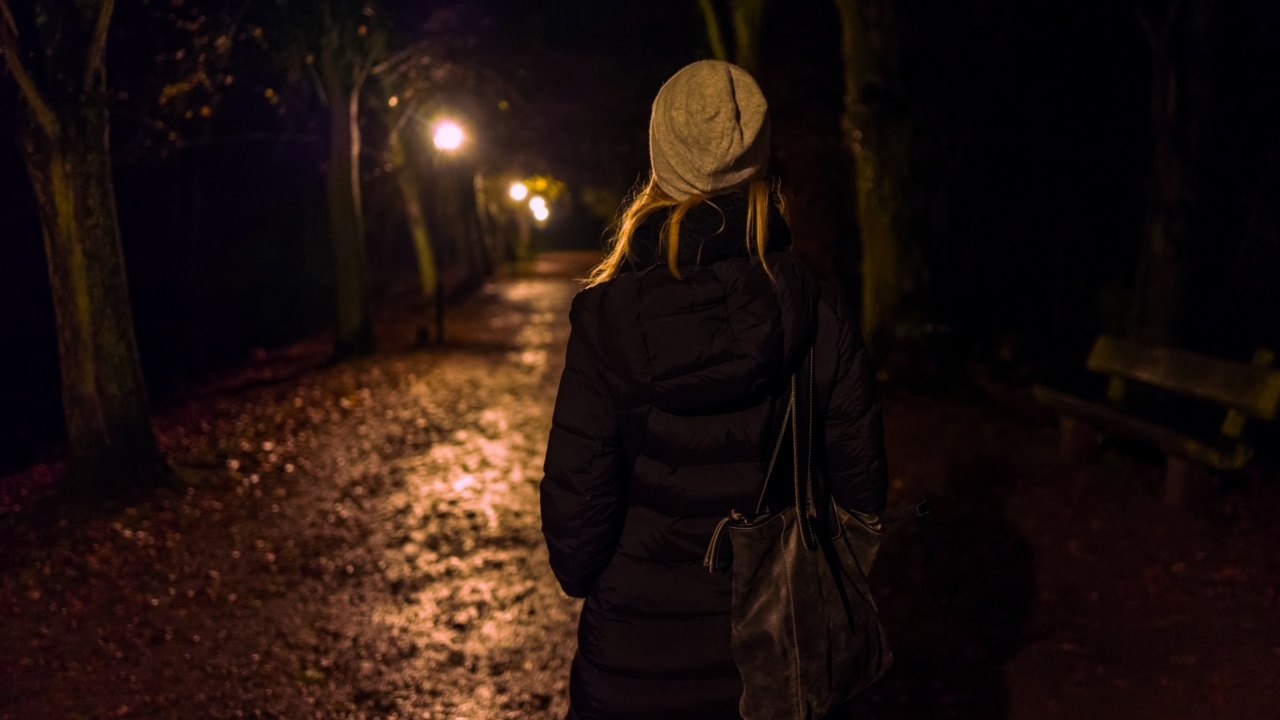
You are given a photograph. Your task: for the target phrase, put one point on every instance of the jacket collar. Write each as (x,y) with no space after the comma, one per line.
(710,232)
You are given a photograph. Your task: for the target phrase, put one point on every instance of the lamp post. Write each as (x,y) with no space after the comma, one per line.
(527,203)
(448,137)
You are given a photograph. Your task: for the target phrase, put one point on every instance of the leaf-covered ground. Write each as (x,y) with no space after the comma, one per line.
(362,541)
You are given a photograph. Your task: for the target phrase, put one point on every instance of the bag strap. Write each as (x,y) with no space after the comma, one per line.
(798,420)
(806,494)
(787,420)
(711,560)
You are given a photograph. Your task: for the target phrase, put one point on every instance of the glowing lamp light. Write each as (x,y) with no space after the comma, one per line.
(538,205)
(448,135)
(519,191)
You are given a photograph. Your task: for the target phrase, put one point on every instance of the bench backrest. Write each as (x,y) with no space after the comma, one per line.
(1251,389)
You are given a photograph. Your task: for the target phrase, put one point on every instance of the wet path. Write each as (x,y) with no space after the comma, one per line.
(361,542)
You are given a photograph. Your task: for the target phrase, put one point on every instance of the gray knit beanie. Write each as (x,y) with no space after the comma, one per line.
(709,130)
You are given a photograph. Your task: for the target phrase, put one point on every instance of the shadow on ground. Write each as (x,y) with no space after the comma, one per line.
(955,588)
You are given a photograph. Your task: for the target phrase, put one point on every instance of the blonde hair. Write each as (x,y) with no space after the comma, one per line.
(651,199)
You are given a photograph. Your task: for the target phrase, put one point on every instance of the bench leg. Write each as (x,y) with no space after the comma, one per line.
(1176,477)
(1076,439)
(1186,482)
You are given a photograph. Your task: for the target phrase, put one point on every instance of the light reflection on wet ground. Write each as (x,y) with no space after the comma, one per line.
(460,536)
(362,541)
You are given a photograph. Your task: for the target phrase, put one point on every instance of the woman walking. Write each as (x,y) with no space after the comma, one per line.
(675,377)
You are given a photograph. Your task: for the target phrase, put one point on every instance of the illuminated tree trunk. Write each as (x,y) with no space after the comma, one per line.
(346,227)
(877,138)
(64,142)
(488,209)
(479,260)
(411,192)
(456,224)
(745,18)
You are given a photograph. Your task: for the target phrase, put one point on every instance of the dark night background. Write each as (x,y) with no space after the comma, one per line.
(1028,178)
(359,535)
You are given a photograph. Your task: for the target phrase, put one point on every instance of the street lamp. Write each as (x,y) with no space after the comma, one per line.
(538,205)
(447,135)
(519,191)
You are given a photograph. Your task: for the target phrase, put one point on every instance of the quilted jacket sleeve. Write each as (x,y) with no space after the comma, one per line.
(854,429)
(583,492)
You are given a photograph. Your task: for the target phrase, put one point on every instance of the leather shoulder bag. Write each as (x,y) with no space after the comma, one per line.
(806,633)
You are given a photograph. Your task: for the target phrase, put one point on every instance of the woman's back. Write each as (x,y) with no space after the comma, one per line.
(695,367)
(668,407)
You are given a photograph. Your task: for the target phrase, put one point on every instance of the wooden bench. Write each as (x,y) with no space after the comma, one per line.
(1234,391)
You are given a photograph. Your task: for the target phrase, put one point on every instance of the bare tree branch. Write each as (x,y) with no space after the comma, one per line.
(98,43)
(1147,31)
(1158,38)
(317,83)
(399,60)
(235,22)
(363,65)
(403,119)
(12,47)
(1170,16)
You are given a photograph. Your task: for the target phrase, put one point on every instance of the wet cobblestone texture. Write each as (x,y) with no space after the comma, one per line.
(362,541)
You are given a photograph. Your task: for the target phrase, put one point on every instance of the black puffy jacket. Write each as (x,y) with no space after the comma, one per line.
(666,410)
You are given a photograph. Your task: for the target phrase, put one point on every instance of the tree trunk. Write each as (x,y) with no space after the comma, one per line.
(346,228)
(113,452)
(876,136)
(488,220)
(472,233)
(487,212)
(1160,278)
(1165,223)
(747,18)
(715,39)
(411,192)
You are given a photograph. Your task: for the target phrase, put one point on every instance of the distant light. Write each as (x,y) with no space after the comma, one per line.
(519,191)
(393,101)
(448,135)
(538,205)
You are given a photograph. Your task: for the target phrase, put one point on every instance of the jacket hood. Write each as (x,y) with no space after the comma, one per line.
(723,334)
